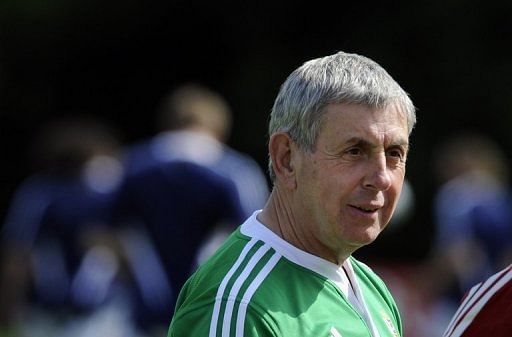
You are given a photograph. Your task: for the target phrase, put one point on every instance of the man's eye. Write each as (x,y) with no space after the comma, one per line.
(354,151)
(396,154)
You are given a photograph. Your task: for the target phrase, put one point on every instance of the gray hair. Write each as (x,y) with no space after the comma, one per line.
(339,78)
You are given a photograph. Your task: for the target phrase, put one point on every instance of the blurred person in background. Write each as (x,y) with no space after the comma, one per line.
(56,255)
(195,125)
(186,189)
(473,219)
(175,207)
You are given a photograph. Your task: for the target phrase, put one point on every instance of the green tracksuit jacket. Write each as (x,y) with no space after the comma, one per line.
(257,284)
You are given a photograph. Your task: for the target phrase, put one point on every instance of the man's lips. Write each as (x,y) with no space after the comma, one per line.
(366,208)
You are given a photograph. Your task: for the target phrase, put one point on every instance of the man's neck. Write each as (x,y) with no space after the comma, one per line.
(280,218)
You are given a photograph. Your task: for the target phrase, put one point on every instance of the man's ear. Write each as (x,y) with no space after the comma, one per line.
(281,147)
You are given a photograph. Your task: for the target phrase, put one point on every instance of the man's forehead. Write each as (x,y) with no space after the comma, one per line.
(353,124)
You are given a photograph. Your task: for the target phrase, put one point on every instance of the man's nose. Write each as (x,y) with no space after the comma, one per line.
(378,176)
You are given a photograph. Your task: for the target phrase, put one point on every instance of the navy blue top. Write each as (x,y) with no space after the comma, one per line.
(178,203)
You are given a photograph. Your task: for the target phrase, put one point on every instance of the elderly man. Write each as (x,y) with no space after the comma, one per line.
(338,145)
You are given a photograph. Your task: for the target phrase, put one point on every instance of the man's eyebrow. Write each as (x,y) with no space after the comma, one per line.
(401,142)
(366,143)
(360,142)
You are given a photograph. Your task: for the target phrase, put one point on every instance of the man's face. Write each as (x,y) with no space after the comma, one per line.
(348,188)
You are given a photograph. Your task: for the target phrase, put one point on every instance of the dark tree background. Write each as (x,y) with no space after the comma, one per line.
(115,59)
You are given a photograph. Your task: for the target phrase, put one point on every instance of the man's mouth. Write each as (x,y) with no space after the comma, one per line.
(366,209)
